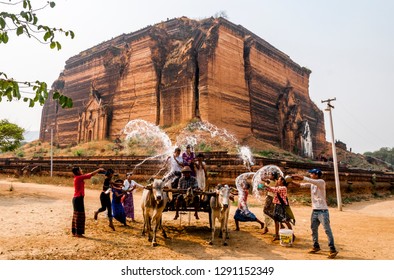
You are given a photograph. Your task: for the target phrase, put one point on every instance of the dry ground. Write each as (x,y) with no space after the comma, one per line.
(35,223)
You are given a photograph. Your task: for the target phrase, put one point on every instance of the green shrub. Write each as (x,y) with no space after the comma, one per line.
(20,153)
(79,152)
(267,154)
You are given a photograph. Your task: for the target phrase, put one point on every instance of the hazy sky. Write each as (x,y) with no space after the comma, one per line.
(348,45)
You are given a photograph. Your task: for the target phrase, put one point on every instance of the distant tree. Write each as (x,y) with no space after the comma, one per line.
(386,154)
(11,136)
(222,14)
(26,23)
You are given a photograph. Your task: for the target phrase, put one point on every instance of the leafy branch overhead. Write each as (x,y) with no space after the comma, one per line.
(26,22)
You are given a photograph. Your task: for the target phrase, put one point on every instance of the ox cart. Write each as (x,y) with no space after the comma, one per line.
(188,207)
(215,203)
(158,198)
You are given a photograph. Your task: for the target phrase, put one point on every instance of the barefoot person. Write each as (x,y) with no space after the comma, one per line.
(269,207)
(128,189)
(117,206)
(78,222)
(281,203)
(320,213)
(243,214)
(105,198)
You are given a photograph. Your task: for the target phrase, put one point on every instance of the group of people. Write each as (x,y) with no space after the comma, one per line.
(187,172)
(196,164)
(121,207)
(276,205)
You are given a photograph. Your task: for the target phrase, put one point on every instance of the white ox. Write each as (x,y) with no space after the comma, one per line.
(220,209)
(153,201)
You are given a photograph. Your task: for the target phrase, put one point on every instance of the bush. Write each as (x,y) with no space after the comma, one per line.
(20,153)
(267,154)
(79,153)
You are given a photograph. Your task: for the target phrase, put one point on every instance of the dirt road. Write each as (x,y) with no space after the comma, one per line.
(36,221)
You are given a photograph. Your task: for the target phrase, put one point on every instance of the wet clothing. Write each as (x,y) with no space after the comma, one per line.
(243,214)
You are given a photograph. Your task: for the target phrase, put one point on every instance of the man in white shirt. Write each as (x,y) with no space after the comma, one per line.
(320,213)
(176,161)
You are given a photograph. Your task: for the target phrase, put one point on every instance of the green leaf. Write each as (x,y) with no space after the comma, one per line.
(8,92)
(2,23)
(69,103)
(53,45)
(35,19)
(16,92)
(47,35)
(56,95)
(19,30)
(58,46)
(31,103)
(5,37)
(52,4)
(72,34)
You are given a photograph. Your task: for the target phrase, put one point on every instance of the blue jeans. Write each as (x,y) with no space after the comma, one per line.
(321,217)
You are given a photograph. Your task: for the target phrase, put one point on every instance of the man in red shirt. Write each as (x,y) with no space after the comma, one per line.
(78,222)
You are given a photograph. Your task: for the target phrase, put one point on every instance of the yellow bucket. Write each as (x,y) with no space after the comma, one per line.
(286,237)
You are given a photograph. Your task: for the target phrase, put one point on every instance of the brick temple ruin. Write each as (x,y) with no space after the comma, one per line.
(180,69)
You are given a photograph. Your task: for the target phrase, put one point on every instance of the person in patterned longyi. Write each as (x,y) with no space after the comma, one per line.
(128,202)
(78,221)
(281,203)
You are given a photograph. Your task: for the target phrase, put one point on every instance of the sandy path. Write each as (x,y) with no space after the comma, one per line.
(36,220)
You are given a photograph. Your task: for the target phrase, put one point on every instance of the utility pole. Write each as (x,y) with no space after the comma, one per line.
(334,153)
(51,151)
(46,130)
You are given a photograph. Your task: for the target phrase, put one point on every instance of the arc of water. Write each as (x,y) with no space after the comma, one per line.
(261,174)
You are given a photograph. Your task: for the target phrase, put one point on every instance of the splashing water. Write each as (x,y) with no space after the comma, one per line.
(246,156)
(225,140)
(213,130)
(262,175)
(155,142)
(147,136)
(243,178)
